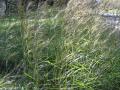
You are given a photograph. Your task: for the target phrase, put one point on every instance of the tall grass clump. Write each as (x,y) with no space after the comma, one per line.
(71,50)
(92,45)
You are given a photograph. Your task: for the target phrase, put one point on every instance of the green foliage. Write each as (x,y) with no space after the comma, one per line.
(49,54)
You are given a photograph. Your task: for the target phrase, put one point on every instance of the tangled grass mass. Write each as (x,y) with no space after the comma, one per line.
(74,46)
